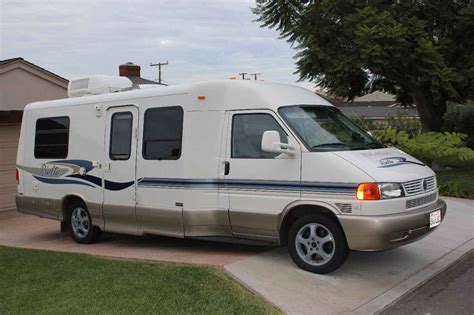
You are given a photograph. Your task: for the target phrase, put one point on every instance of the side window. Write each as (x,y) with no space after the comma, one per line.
(247,133)
(121,136)
(162,133)
(52,138)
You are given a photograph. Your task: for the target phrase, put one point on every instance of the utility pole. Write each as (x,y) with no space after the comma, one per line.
(255,75)
(243,75)
(159,64)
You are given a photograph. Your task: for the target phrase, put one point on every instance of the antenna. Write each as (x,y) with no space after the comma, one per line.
(255,75)
(243,75)
(159,64)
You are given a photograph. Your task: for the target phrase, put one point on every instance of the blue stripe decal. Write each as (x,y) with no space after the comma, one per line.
(396,161)
(87,165)
(90,181)
(109,185)
(116,186)
(93,179)
(250,184)
(61,181)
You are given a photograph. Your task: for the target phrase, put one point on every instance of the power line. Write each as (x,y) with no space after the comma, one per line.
(159,64)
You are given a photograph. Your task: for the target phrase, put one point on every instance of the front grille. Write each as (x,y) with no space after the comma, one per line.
(412,203)
(419,186)
(344,207)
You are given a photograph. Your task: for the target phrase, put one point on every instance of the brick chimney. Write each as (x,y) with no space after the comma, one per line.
(129,69)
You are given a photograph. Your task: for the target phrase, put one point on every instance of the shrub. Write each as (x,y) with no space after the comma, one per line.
(428,147)
(460,118)
(450,189)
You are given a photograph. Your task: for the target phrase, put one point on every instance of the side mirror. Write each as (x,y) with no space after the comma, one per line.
(271,142)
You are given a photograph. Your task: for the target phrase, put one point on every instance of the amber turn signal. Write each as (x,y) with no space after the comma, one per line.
(368,191)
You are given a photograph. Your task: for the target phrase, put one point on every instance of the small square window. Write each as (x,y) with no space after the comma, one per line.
(52,138)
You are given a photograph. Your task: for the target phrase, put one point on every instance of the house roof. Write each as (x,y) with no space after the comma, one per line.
(376,105)
(140,80)
(377,111)
(376,96)
(6,62)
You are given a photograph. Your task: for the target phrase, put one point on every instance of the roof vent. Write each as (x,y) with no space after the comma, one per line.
(98,84)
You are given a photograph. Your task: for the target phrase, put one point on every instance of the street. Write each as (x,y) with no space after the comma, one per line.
(450,292)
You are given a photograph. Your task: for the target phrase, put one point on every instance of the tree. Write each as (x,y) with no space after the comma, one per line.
(421,51)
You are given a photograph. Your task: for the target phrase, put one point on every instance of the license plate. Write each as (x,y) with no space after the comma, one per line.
(435,218)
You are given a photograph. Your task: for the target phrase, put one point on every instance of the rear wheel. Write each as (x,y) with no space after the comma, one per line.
(317,244)
(80,224)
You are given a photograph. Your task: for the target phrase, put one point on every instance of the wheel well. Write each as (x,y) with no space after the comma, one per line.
(300,211)
(67,201)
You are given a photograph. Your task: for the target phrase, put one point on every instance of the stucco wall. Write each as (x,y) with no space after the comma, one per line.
(18,87)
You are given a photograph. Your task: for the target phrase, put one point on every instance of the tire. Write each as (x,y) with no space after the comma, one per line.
(317,244)
(80,224)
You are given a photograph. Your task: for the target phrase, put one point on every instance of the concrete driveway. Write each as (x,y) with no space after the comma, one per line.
(367,282)
(26,231)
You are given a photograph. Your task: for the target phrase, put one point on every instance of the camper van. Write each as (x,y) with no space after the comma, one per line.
(236,161)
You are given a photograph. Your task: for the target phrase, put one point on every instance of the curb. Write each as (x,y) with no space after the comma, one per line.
(393,295)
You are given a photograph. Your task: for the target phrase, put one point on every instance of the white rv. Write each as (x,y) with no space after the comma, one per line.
(224,160)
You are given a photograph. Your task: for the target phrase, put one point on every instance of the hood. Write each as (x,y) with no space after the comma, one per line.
(387,165)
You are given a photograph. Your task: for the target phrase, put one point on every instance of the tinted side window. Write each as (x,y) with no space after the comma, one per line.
(162,133)
(52,138)
(121,136)
(247,133)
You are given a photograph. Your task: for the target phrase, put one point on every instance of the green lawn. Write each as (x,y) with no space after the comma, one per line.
(49,282)
(456,179)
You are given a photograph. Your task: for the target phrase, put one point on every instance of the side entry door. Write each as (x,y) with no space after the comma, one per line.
(120,169)
(259,184)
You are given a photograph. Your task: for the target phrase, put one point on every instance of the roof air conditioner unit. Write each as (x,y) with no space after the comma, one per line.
(98,84)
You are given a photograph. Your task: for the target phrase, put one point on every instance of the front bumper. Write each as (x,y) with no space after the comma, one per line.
(372,233)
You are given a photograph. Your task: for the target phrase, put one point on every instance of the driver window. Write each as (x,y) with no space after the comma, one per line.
(247,133)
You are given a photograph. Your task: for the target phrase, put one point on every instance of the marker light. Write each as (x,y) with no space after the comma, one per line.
(17,175)
(201,97)
(368,191)
(232,78)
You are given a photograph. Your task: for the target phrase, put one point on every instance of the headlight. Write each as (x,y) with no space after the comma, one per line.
(390,190)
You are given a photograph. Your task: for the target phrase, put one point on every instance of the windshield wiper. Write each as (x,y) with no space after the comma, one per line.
(331,144)
(373,145)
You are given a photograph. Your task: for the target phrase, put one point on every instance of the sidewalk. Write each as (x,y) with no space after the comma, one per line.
(368,281)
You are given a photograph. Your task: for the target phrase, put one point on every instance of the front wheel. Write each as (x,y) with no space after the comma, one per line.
(317,244)
(80,224)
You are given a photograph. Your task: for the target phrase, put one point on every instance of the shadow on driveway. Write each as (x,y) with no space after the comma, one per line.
(26,231)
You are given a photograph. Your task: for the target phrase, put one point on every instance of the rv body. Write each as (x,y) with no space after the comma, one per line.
(227,160)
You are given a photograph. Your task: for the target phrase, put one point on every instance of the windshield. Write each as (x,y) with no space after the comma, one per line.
(325,128)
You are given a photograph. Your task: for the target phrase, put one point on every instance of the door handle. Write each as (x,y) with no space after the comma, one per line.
(226,168)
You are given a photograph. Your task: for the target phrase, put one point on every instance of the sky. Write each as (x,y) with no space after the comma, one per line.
(201,39)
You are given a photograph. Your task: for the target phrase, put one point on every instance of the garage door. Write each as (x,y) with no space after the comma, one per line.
(9,134)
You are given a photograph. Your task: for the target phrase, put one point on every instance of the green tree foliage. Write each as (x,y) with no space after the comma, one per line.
(460,118)
(421,51)
(429,147)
